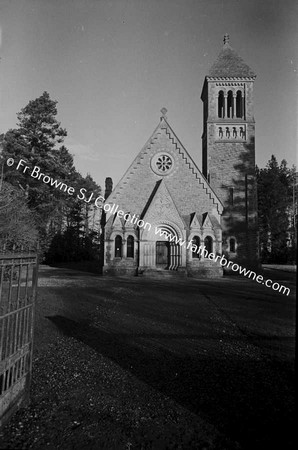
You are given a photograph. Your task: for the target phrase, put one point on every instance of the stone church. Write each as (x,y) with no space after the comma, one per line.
(181,207)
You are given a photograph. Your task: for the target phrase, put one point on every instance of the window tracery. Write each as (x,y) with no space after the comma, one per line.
(162,163)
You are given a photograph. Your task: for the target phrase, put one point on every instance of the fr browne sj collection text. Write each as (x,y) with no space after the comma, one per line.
(38,175)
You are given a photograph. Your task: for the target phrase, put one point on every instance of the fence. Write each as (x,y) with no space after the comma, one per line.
(18,289)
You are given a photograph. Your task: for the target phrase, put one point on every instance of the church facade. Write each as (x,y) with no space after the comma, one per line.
(165,216)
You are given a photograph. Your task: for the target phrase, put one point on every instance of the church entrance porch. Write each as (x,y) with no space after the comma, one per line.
(160,249)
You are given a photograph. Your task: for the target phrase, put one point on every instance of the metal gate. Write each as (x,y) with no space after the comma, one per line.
(18,289)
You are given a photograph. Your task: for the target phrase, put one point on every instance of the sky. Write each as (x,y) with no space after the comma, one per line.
(113,64)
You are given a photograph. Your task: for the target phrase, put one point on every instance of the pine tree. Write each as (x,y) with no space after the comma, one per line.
(17,226)
(38,141)
(274,204)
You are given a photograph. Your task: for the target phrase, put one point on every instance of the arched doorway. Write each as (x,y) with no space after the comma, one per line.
(167,248)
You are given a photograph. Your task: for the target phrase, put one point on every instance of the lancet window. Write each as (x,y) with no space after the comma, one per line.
(118,247)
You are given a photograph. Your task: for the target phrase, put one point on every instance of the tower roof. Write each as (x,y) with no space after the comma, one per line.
(229,64)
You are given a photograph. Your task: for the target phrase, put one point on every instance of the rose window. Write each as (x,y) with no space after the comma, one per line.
(162,163)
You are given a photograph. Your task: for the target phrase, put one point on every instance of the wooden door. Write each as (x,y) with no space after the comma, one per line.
(162,254)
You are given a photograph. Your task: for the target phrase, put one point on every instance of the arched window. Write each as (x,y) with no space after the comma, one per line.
(208,243)
(232,245)
(118,247)
(230,105)
(231,196)
(239,104)
(221,104)
(197,242)
(130,247)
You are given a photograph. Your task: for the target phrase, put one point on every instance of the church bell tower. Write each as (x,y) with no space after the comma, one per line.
(229,150)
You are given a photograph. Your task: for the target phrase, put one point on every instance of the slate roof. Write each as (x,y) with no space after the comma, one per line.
(230,65)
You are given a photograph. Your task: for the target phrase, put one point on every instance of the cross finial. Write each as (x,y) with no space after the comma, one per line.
(164,112)
(226,38)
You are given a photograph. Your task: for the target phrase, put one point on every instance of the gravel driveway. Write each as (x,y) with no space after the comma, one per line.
(132,363)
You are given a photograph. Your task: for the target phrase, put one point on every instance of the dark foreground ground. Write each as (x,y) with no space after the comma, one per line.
(132,363)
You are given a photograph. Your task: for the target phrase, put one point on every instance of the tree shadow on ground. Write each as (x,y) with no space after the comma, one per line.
(247,399)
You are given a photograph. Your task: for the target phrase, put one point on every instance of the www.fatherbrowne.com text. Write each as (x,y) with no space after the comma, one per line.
(134,219)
